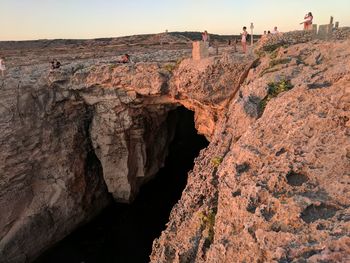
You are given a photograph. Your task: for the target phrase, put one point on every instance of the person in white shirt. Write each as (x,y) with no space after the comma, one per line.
(2,67)
(275,31)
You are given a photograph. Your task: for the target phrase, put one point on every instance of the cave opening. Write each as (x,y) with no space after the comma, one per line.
(125,233)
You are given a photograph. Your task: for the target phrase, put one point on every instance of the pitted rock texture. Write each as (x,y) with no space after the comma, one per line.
(273,185)
(50,177)
(70,137)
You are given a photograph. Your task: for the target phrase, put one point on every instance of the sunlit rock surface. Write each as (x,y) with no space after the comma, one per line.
(273,185)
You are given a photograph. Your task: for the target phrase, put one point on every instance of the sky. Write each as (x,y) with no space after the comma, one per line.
(82,19)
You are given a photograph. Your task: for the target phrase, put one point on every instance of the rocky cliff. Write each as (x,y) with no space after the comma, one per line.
(71,136)
(272,185)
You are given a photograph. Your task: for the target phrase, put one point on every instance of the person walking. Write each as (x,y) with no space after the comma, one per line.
(244,35)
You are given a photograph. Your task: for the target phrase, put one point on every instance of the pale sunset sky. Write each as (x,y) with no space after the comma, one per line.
(49,19)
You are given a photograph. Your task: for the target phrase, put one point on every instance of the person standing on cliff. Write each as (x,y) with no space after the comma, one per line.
(206,38)
(2,67)
(308,21)
(244,35)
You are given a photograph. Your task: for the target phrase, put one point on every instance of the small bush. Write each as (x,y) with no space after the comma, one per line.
(208,222)
(170,67)
(276,88)
(216,161)
(273,90)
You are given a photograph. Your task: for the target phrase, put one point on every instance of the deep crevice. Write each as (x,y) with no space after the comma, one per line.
(124,233)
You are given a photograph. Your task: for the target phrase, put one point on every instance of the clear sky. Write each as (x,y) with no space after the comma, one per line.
(38,19)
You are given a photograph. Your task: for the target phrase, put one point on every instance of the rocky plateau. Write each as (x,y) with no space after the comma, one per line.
(272,186)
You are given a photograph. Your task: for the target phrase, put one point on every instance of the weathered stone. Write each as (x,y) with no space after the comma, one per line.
(286,206)
(270,187)
(324,31)
(199,50)
(70,137)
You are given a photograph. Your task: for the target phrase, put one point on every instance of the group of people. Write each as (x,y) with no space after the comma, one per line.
(273,32)
(55,64)
(307,26)
(308,18)
(245,35)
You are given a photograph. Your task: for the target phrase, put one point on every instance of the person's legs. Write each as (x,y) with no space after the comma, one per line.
(244,46)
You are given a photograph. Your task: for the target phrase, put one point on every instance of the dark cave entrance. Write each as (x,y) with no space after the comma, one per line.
(124,233)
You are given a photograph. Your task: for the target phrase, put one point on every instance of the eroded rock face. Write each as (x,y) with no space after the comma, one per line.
(273,184)
(50,177)
(271,187)
(72,136)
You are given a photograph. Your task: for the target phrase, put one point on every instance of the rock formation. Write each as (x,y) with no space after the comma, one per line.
(272,185)
(71,135)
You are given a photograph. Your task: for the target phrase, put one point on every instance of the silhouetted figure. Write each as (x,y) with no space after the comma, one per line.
(55,64)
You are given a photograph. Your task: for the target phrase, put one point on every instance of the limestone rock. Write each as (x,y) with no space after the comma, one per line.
(273,187)
(70,137)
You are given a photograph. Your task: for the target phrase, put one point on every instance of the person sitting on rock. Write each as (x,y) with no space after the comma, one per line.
(124,59)
(275,31)
(2,67)
(55,64)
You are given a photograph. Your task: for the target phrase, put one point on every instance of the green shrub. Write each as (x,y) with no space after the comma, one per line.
(273,90)
(169,67)
(208,223)
(216,161)
(276,88)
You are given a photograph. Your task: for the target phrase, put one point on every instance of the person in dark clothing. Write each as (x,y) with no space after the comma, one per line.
(55,64)
(124,59)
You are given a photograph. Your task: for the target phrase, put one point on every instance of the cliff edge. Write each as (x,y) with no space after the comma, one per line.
(272,186)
